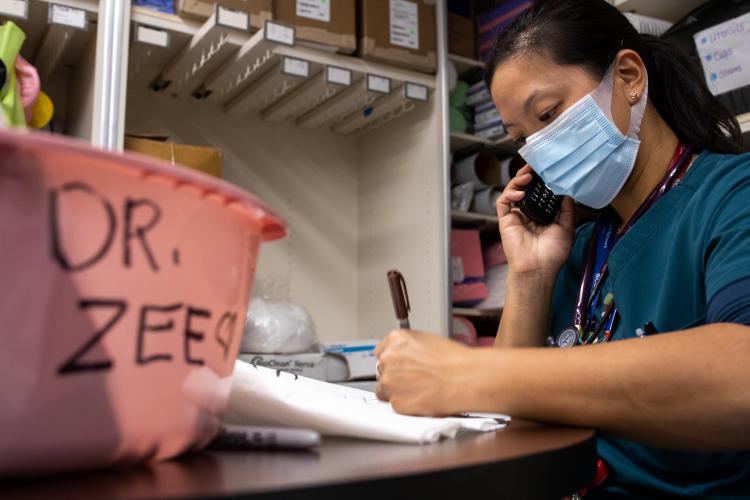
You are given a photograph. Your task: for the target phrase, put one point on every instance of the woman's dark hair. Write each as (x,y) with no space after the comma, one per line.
(590,33)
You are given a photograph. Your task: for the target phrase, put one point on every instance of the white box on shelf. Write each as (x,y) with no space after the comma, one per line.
(359,355)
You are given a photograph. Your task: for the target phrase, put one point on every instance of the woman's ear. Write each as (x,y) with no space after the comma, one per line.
(630,75)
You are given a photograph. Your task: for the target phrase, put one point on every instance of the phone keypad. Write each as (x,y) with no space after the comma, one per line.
(540,204)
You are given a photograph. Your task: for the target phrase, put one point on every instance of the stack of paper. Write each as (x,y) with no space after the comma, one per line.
(262,396)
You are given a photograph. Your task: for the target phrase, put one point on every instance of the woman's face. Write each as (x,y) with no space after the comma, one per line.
(531,90)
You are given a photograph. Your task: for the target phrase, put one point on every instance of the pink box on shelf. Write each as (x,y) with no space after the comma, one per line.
(467,266)
(470,294)
(494,255)
(464,331)
(466,248)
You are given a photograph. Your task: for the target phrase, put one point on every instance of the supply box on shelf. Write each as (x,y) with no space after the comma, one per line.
(338,362)
(258,11)
(207,160)
(399,33)
(462,35)
(330,23)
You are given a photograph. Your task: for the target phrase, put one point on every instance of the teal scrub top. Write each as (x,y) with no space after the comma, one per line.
(688,246)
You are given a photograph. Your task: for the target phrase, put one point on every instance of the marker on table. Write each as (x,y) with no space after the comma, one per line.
(400,298)
(247,437)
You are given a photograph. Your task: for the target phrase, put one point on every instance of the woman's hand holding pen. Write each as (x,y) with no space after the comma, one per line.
(423,374)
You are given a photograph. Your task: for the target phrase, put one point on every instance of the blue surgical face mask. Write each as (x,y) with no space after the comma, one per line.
(582,153)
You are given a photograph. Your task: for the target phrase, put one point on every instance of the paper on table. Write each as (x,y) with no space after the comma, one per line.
(261,396)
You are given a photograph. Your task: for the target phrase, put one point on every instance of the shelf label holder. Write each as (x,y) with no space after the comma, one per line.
(18,9)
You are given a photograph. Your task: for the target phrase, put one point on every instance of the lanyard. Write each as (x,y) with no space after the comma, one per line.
(606,236)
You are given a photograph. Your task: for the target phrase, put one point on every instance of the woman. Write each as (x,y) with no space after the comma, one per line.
(624,122)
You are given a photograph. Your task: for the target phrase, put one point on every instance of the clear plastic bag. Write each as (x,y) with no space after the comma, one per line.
(274,324)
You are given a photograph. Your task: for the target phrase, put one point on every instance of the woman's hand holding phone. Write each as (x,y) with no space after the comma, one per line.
(533,250)
(535,255)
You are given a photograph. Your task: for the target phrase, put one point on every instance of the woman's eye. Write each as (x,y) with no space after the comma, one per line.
(547,116)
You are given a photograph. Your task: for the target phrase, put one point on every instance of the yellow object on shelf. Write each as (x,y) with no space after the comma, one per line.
(42,112)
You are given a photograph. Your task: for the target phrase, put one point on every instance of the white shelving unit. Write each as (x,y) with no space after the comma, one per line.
(464,64)
(347,151)
(477,313)
(744,121)
(461,141)
(266,73)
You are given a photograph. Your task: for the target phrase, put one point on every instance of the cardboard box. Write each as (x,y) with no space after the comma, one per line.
(331,23)
(462,34)
(259,10)
(207,160)
(399,33)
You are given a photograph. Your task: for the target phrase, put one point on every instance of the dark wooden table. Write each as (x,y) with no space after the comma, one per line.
(525,460)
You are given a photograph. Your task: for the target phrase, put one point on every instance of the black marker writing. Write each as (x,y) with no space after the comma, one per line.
(144,326)
(139,232)
(192,335)
(54,220)
(74,363)
(226,324)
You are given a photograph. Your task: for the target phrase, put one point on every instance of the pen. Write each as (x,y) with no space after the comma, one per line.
(400,298)
(246,437)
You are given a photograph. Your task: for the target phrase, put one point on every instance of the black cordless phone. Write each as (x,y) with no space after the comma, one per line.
(540,204)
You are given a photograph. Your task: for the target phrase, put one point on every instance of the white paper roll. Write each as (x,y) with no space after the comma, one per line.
(484,201)
(482,170)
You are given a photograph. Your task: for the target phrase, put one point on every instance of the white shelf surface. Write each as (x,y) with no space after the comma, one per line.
(670,10)
(461,141)
(477,313)
(744,121)
(249,74)
(50,45)
(458,216)
(464,64)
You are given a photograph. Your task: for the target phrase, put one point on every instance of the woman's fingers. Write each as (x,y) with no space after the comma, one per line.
(567,216)
(513,192)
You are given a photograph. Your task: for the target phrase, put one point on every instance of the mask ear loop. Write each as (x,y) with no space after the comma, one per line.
(602,95)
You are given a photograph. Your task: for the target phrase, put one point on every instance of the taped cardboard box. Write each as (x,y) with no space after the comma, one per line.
(398,32)
(259,11)
(327,23)
(207,160)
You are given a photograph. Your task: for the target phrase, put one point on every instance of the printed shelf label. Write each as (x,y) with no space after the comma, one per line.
(379,84)
(296,67)
(68,16)
(404,25)
(152,36)
(724,50)
(275,32)
(416,91)
(15,8)
(232,18)
(319,10)
(339,76)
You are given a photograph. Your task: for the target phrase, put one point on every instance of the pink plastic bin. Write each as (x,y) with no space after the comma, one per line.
(125,283)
